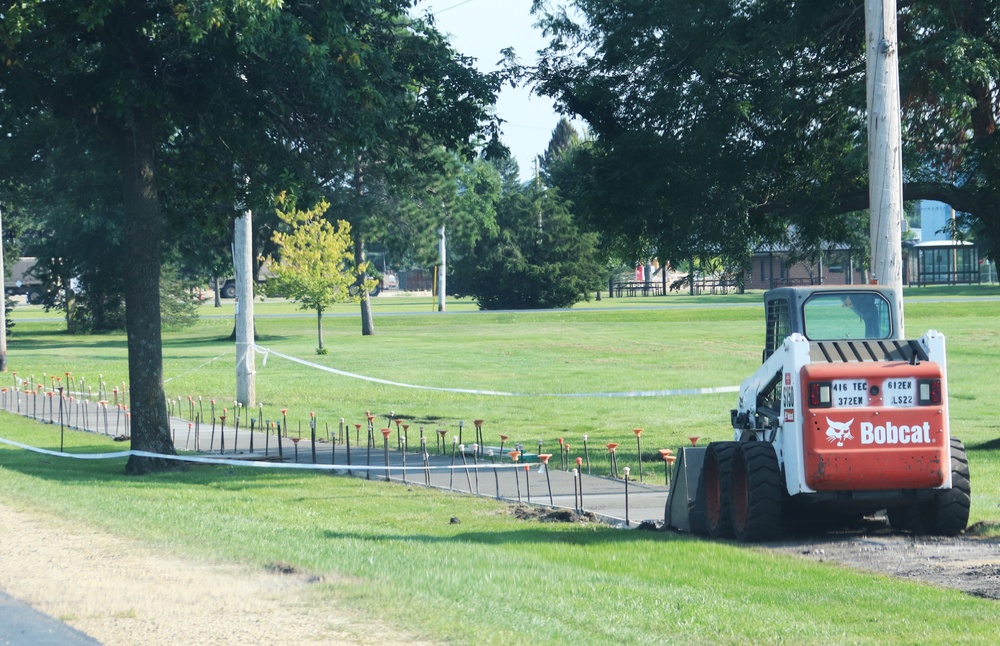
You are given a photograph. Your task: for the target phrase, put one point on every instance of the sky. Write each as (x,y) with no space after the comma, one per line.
(480,29)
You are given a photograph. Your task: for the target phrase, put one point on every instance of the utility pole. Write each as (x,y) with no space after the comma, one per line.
(442,275)
(3,306)
(246,369)
(885,158)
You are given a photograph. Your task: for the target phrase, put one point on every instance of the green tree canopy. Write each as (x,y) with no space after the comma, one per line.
(186,102)
(538,258)
(719,124)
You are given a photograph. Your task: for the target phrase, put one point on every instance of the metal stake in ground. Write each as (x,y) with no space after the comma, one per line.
(581,483)
(368,473)
(236,427)
(562,463)
(107,429)
(295,443)
(638,448)
(496,474)
(665,456)
(544,459)
(503,438)
(404,461)
(451,472)
(460,425)
(61,429)
(222,432)
(527,482)
(576,491)
(586,453)
(427,461)
(479,434)
(253,422)
(613,458)
(386,432)
(475,463)
(468,478)
(312,433)
(514,455)
(625,472)
(347,437)
(399,437)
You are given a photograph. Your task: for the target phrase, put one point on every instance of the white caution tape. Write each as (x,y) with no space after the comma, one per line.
(467,391)
(260,463)
(166,381)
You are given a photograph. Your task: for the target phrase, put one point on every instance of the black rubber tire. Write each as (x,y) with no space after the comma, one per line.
(756,489)
(718,465)
(229,291)
(948,513)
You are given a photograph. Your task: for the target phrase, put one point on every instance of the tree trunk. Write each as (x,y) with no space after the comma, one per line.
(367,322)
(319,327)
(150,427)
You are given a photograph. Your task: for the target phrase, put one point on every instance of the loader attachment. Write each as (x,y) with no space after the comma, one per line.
(685,509)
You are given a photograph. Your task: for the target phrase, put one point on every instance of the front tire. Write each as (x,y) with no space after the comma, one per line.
(756,489)
(717,473)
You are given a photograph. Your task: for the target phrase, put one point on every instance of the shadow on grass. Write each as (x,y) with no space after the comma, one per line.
(989,445)
(54,339)
(602,534)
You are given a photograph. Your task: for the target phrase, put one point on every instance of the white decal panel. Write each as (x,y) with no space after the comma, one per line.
(849,393)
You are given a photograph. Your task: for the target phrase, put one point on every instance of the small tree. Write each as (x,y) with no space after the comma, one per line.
(316,266)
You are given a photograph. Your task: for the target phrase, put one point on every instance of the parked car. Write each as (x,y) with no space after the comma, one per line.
(22,281)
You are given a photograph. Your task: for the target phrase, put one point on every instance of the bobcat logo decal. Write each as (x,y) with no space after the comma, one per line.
(839,431)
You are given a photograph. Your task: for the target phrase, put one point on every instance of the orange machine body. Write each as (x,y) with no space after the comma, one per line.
(873,431)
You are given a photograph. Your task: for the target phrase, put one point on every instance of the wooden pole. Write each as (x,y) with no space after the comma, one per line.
(442,274)
(885,160)
(246,387)
(3,307)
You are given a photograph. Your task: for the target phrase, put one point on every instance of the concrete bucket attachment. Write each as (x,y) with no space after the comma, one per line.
(685,509)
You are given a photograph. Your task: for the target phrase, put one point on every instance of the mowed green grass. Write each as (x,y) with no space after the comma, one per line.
(390,553)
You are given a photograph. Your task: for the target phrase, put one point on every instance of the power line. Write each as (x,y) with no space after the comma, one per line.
(454,6)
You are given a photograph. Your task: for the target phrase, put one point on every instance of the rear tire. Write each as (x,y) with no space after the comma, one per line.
(717,472)
(948,513)
(756,489)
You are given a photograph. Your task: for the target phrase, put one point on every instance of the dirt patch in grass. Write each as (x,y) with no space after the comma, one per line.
(120,592)
(967,562)
(548,515)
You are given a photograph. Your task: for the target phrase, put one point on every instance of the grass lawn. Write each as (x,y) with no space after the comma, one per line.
(391,550)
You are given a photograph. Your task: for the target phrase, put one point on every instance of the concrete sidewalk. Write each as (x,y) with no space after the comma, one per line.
(22,625)
(593,492)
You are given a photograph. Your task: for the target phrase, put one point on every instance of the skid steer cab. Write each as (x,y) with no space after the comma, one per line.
(844,418)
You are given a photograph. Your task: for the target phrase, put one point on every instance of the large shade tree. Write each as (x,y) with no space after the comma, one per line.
(189,101)
(720,123)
